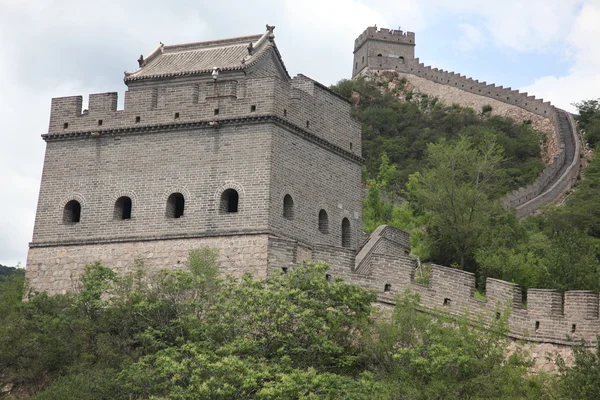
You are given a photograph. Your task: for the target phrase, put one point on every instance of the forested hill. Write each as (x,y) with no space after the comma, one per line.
(401,124)
(8,271)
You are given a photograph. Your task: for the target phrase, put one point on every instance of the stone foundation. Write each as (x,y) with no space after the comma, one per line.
(57,269)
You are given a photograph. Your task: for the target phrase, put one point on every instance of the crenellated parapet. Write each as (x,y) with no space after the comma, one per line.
(301,102)
(386,35)
(547,316)
(449,78)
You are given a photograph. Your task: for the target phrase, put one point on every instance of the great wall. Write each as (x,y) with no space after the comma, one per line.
(450,87)
(201,134)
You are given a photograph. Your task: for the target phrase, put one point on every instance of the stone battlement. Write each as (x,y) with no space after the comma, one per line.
(302,102)
(384,34)
(547,316)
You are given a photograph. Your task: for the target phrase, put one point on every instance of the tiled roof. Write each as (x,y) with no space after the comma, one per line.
(202,57)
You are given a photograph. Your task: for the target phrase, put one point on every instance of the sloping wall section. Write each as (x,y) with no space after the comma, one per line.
(384,266)
(563,166)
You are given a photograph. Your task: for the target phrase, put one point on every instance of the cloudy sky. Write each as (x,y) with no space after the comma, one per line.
(52,48)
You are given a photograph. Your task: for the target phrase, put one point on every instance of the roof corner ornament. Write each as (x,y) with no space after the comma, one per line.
(141,60)
(250,48)
(270,29)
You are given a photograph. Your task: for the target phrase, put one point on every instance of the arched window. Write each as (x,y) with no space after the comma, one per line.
(401,59)
(175,205)
(123,208)
(229,201)
(346,235)
(379,55)
(72,212)
(288,207)
(323,222)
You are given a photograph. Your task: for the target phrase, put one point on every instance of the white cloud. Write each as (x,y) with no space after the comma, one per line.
(471,37)
(583,80)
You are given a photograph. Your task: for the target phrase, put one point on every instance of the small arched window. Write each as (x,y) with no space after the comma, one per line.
(401,59)
(123,208)
(379,55)
(175,205)
(323,222)
(72,212)
(346,235)
(229,201)
(288,207)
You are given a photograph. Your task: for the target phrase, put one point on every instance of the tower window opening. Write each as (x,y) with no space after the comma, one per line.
(288,207)
(175,205)
(379,55)
(65,125)
(137,120)
(176,115)
(323,222)
(123,208)
(308,124)
(284,112)
(229,201)
(253,108)
(346,233)
(72,212)
(99,122)
(387,287)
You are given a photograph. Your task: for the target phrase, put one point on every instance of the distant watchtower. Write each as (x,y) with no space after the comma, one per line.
(374,44)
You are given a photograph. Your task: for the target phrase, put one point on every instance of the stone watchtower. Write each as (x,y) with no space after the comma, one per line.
(216,146)
(373,44)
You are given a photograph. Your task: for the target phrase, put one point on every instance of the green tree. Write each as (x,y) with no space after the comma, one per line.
(581,381)
(589,120)
(455,189)
(421,357)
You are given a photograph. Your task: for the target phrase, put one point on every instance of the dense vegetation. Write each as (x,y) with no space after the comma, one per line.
(404,129)
(187,335)
(5,271)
